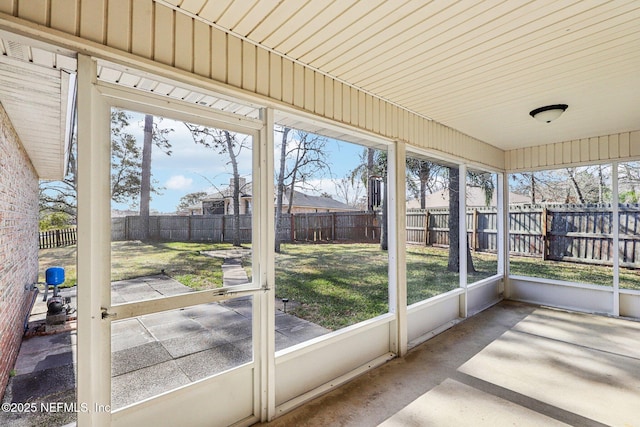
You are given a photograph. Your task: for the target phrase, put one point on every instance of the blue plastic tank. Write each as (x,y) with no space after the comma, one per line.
(54,276)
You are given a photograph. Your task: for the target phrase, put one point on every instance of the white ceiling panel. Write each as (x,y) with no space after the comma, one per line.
(476,66)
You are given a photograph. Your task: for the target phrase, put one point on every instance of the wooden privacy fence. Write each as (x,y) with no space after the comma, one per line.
(57,238)
(307,227)
(582,233)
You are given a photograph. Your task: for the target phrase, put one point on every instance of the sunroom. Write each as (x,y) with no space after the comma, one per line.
(450,90)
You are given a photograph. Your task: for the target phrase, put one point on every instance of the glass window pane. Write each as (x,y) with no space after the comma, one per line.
(560,225)
(181,206)
(432,264)
(482,224)
(629,215)
(331,264)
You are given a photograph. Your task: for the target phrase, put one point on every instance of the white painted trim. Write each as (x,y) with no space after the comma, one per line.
(282,112)
(94,240)
(399,234)
(480,283)
(428,335)
(172,302)
(504,218)
(502,232)
(562,283)
(122,97)
(435,300)
(463,244)
(630,291)
(266,238)
(615,213)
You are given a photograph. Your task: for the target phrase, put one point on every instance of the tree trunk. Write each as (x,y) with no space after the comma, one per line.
(575,185)
(384,235)
(236,189)
(453,264)
(533,188)
(370,152)
(145,176)
(280,185)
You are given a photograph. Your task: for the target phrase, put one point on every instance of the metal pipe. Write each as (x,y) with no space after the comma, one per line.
(35,290)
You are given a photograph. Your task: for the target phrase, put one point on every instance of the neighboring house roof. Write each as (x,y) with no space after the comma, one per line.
(475,199)
(302,200)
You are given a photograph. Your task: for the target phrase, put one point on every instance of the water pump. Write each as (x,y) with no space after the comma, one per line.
(57,306)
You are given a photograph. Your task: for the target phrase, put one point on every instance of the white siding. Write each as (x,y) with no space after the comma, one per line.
(619,146)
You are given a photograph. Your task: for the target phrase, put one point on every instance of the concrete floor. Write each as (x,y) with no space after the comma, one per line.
(514,364)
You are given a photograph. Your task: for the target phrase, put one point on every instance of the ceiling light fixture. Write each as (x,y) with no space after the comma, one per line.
(549,113)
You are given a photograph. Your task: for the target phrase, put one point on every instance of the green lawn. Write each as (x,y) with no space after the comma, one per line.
(333,285)
(182,261)
(336,285)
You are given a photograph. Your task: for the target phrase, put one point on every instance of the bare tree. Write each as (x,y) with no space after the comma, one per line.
(231,145)
(302,157)
(351,191)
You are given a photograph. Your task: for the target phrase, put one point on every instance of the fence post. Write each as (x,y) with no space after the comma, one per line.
(543,227)
(292,227)
(474,229)
(333,226)
(426,228)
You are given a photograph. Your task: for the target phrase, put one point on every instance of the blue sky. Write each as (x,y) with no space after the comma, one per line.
(193,167)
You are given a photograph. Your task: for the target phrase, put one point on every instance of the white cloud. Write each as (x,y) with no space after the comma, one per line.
(179,182)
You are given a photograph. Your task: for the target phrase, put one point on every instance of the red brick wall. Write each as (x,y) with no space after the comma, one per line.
(18,243)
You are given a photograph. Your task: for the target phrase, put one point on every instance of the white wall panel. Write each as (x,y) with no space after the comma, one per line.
(482,295)
(630,304)
(586,298)
(621,146)
(427,316)
(301,370)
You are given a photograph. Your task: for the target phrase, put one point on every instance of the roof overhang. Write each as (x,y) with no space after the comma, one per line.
(38,93)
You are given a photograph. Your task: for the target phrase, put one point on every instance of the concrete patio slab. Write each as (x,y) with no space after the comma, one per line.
(147,382)
(135,358)
(184,326)
(47,352)
(453,403)
(600,385)
(193,343)
(210,362)
(128,333)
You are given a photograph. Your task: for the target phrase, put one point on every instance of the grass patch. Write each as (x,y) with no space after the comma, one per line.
(427,274)
(573,272)
(336,284)
(180,260)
